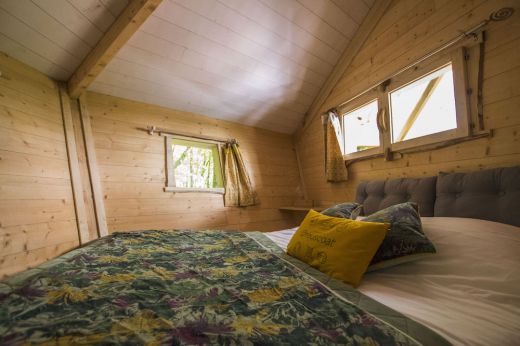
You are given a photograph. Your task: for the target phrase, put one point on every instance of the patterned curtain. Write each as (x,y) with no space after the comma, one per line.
(239,190)
(335,168)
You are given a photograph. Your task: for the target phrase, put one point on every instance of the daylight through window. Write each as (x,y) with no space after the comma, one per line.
(360,128)
(194,165)
(424,107)
(421,106)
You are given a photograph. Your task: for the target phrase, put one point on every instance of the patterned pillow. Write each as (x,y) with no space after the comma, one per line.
(405,241)
(348,210)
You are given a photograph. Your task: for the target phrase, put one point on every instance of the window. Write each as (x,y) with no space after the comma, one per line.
(424,105)
(360,128)
(193,166)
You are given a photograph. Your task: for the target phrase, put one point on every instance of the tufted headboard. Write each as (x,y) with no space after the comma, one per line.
(379,194)
(492,194)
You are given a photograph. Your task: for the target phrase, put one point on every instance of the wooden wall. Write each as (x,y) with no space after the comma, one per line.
(410,29)
(131,166)
(37,218)
(37,215)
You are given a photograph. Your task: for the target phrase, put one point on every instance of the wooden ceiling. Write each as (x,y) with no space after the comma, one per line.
(54,36)
(257,62)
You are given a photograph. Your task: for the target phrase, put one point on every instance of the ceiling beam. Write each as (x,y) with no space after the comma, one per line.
(130,19)
(365,29)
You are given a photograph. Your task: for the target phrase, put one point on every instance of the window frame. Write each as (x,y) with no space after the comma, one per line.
(384,121)
(170,173)
(355,105)
(457,61)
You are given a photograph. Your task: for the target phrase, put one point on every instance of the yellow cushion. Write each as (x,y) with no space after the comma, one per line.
(341,248)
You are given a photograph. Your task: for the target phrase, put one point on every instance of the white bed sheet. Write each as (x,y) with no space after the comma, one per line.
(469,292)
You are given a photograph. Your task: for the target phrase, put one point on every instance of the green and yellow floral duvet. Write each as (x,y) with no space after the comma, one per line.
(191,288)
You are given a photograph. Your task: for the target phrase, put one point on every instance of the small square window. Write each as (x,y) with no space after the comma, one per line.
(424,107)
(193,166)
(360,129)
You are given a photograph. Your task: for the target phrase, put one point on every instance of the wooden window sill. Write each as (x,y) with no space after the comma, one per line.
(397,154)
(446,143)
(218,190)
(368,153)
(302,209)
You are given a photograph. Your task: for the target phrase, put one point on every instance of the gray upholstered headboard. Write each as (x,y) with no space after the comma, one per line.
(492,194)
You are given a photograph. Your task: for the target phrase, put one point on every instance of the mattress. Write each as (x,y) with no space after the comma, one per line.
(468,292)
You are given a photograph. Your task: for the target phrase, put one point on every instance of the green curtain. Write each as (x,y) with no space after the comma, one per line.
(238,187)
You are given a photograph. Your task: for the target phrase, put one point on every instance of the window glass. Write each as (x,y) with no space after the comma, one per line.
(424,107)
(360,128)
(196,164)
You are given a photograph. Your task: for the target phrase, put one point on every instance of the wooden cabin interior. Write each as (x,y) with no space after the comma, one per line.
(192,118)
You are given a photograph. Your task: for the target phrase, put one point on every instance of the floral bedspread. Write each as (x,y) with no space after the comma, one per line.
(180,287)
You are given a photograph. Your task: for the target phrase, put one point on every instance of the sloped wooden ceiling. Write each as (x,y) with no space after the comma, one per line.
(257,62)
(54,36)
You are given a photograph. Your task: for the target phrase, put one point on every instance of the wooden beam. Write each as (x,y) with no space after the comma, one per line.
(300,169)
(95,181)
(132,17)
(427,93)
(365,29)
(75,176)
(83,168)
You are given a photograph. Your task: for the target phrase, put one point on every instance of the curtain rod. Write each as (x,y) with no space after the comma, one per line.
(499,15)
(153,129)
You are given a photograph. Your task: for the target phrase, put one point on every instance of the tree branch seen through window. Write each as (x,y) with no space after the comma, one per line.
(194,165)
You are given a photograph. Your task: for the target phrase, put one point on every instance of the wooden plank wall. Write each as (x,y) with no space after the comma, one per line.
(131,168)
(37,218)
(410,29)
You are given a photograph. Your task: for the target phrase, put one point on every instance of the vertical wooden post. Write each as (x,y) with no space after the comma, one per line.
(95,181)
(75,176)
(170,176)
(296,148)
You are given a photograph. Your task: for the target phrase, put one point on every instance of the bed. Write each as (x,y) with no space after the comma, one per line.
(468,292)
(192,288)
(185,287)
